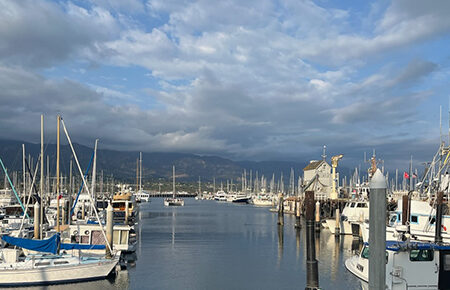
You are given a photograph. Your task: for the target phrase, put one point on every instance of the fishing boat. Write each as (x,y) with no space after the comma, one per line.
(262,200)
(240,198)
(220,196)
(409,265)
(48,267)
(173,201)
(354,213)
(421,223)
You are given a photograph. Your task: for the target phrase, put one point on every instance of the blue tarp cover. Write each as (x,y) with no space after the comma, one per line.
(49,245)
(81,247)
(402,246)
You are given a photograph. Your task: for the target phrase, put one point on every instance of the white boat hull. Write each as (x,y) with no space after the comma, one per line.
(173,202)
(56,275)
(344,226)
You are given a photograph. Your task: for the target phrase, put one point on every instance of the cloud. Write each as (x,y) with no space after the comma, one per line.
(253,79)
(42,33)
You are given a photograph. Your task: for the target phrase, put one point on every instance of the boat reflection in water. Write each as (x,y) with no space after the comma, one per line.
(280,231)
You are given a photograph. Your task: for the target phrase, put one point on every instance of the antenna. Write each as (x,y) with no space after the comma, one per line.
(440,125)
(324,155)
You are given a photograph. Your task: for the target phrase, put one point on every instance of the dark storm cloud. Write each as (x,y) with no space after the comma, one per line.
(231,79)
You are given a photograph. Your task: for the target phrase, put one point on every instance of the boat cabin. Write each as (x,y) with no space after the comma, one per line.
(409,265)
(355,211)
(124,237)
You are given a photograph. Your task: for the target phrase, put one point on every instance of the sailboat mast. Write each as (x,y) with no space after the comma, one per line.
(140,171)
(24,170)
(57,172)
(173,181)
(94,174)
(41,221)
(137,175)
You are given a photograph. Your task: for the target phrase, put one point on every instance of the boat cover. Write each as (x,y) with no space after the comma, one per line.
(49,245)
(404,246)
(81,247)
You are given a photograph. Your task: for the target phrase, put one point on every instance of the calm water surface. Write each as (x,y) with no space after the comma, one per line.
(211,245)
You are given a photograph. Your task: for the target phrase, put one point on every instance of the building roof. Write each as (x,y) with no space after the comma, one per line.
(313,165)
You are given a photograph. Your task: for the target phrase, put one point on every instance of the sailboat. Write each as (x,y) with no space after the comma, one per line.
(49,267)
(141,195)
(173,201)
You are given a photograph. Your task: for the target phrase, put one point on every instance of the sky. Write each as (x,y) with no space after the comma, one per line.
(246,80)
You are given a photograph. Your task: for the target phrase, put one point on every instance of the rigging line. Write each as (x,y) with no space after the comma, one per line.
(82,184)
(29,194)
(27,166)
(13,188)
(87,187)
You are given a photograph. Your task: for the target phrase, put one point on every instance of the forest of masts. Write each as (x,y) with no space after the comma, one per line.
(249,182)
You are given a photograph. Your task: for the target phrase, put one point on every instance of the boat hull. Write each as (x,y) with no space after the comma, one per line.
(345,227)
(56,275)
(173,202)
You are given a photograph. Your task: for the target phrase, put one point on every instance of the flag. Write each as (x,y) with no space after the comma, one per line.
(59,196)
(406,175)
(414,175)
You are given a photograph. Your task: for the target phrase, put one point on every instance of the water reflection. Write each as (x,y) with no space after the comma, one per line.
(280,243)
(173,227)
(223,246)
(297,241)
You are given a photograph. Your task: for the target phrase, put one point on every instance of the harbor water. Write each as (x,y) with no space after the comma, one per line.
(212,245)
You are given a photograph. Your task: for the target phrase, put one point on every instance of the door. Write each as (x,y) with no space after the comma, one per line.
(444,269)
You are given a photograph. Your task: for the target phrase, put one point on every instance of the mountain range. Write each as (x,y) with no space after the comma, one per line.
(156,165)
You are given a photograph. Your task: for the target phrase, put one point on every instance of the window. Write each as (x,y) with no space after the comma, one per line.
(42,264)
(414,219)
(361,205)
(421,255)
(365,254)
(446,262)
(352,205)
(60,262)
(432,220)
(399,217)
(393,219)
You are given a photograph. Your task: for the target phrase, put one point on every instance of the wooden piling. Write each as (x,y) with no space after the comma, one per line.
(298,222)
(126,212)
(438,227)
(109,230)
(405,207)
(280,209)
(337,227)
(312,274)
(37,212)
(317,224)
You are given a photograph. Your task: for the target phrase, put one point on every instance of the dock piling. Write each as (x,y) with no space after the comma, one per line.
(312,274)
(126,212)
(37,212)
(280,209)
(337,228)
(377,232)
(317,224)
(438,228)
(109,230)
(298,223)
